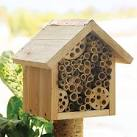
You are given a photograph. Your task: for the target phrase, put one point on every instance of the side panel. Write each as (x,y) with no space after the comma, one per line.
(37,91)
(54,92)
(31,90)
(45,93)
(112,89)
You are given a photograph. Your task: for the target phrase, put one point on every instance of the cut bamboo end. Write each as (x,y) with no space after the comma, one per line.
(68,128)
(73,96)
(94,57)
(82,108)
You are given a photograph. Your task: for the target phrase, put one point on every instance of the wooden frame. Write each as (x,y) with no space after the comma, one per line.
(72,115)
(40,59)
(112,87)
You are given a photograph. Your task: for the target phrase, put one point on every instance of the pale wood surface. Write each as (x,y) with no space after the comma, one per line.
(71,115)
(25,89)
(45,93)
(31,88)
(71,22)
(55,95)
(71,36)
(112,89)
(37,91)
(58,32)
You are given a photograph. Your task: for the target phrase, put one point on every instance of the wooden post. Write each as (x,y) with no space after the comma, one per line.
(68,128)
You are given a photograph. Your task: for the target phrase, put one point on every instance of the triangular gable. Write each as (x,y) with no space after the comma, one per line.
(121,55)
(58,38)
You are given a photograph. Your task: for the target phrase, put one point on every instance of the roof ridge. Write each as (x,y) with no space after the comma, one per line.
(69,22)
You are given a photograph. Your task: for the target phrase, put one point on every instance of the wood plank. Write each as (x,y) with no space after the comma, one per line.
(58,32)
(31,92)
(71,115)
(112,89)
(70,22)
(55,91)
(45,93)
(39,51)
(26,104)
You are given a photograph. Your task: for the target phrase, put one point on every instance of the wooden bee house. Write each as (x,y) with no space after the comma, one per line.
(69,70)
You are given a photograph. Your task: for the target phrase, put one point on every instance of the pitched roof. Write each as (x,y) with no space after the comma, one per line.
(57,38)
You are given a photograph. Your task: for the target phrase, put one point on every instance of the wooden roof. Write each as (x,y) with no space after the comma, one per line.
(57,38)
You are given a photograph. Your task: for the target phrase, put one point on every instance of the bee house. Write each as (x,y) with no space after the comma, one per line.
(69,70)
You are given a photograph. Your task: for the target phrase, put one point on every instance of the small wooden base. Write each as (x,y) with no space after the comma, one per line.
(68,128)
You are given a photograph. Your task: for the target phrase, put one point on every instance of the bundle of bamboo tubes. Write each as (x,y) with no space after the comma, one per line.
(84,75)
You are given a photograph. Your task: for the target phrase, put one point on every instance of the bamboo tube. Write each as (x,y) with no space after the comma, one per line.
(98,82)
(108,63)
(109,70)
(63,75)
(66,62)
(94,50)
(83,77)
(101,76)
(69,69)
(81,68)
(86,55)
(77,80)
(87,92)
(110,55)
(79,89)
(103,57)
(88,38)
(82,46)
(104,69)
(102,64)
(75,66)
(94,57)
(72,62)
(79,101)
(76,73)
(87,84)
(77,50)
(87,99)
(88,107)
(71,106)
(106,83)
(87,63)
(72,87)
(90,78)
(81,57)
(61,68)
(82,108)
(94,43)
(99,49)
(87,70)
(66,86)
(105,49)
(68,128)
(99,43)
(63,100)
(73,96)
(79,61)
